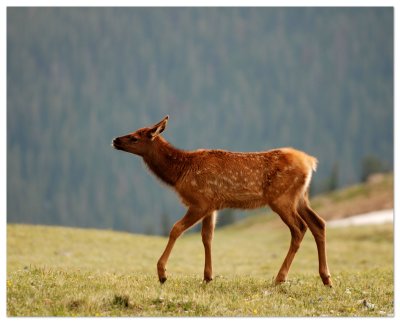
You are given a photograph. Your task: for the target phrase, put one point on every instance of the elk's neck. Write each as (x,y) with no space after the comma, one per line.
(166,161)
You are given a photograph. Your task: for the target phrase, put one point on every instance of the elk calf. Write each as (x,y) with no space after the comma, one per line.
(210,180)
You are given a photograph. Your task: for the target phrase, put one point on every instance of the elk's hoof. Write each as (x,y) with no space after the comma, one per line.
(162,277)
(328,282)
(280,280)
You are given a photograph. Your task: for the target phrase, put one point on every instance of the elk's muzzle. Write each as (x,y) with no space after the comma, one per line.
(116,143)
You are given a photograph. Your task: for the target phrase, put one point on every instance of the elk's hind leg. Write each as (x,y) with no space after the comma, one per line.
(317,228)
(297,230)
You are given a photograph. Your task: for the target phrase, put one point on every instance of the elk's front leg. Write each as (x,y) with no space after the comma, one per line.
(192,216)
(207,233)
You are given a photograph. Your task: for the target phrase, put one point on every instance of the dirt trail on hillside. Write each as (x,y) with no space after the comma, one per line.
(376,217)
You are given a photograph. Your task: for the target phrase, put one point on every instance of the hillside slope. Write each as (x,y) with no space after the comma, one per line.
(377,194)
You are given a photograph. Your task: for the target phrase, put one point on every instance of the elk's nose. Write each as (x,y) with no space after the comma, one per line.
(116,142)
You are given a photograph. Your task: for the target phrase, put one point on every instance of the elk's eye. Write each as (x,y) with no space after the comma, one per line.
(133,139)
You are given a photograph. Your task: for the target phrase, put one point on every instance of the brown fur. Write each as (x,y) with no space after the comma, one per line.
(210,180)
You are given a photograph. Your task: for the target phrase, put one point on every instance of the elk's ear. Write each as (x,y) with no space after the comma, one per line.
(158,128)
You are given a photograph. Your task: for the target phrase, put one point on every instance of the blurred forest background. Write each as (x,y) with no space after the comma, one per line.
(243,79)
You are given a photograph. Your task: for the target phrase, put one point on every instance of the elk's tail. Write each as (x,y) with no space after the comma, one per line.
(313,163)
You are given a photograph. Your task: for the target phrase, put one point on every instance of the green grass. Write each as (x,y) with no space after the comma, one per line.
(50,292)
(55,271)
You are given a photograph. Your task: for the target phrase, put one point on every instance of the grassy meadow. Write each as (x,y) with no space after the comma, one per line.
(55,271)
(73,272)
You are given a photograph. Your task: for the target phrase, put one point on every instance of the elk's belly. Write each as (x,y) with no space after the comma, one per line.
(228,193)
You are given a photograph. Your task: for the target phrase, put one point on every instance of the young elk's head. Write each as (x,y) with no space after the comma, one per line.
(140,141)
